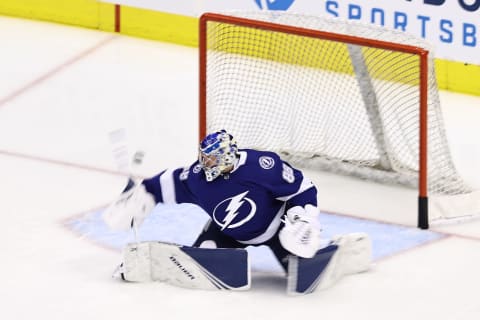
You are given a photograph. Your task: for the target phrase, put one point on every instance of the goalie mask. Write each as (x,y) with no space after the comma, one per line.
(217,154)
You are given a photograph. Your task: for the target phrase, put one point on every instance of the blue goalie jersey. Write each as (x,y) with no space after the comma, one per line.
(246,204)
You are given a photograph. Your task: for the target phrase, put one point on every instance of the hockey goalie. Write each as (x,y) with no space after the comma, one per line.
(253,198)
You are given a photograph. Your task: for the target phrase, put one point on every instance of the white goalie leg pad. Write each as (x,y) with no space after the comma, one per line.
(199,268)
(354,255)
(136,266)
(304,274)
(347,254)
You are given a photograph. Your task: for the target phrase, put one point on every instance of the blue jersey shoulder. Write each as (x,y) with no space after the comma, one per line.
(265,160)
(266,167)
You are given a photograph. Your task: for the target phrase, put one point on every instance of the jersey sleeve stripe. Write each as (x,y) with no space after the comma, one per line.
(305,185)
(167,184)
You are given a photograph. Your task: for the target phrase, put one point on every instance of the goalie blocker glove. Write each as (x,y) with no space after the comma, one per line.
(134,204)
(301,233)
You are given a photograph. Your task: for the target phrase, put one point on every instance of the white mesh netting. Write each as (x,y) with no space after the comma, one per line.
(326,104)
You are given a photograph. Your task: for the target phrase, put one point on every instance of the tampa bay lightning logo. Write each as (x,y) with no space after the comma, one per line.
(235,211)
(266,162)
(274,4)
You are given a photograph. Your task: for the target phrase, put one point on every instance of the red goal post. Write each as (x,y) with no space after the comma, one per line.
(209,20)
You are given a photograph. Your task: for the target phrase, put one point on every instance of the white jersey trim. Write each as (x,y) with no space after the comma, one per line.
(167,185)
(240,161)
(305,185)
(271,230)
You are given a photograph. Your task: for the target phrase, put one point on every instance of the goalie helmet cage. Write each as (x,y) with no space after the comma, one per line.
(330,94)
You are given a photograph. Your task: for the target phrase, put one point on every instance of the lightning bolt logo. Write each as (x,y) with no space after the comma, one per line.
(232,211)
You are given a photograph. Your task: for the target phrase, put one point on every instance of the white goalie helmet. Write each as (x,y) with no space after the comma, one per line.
(217,154)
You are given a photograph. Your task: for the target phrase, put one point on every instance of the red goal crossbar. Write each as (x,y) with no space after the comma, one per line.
(287,29)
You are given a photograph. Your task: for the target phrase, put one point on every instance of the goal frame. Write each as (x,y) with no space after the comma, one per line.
(422,53)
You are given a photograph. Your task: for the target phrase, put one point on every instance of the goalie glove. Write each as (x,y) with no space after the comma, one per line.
(301,233)
(134,204)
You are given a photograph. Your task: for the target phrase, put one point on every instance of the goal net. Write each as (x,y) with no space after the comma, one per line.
(330,94)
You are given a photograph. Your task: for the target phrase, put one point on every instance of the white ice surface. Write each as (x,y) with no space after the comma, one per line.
(63,89)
